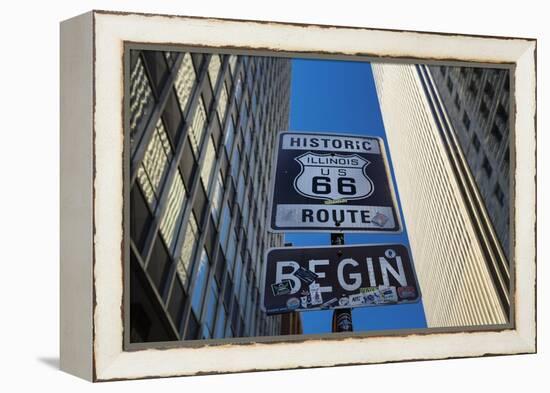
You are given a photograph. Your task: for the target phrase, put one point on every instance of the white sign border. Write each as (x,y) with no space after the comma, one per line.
(270,249)
(383,152)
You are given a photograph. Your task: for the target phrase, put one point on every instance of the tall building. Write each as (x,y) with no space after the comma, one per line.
(477,102)
(462,270)
(201,133)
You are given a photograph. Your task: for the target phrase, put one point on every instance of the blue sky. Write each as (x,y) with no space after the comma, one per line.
(340,97)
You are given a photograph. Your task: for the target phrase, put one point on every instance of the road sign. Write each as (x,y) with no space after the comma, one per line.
(317,278)
(332,182)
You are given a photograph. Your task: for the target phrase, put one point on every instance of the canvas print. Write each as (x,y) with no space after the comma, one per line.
(284,197)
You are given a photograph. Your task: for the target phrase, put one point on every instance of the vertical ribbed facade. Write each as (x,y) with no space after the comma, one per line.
(201,131)
(456,282)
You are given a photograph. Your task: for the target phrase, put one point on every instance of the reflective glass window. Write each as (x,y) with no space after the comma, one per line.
(141,100)
(171,220)
(217,197)
(224,229)
(232,64)
(187,251)
(155,162)
(198,291)
(214,70)
(211,304)
(229,136)
(208,164)
(185,80)
(220,323)
(222,104)
(198,127)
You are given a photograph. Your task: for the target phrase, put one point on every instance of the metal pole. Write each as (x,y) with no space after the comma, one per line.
(341,318)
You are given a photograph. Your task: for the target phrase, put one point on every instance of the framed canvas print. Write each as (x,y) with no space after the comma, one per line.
(242,195)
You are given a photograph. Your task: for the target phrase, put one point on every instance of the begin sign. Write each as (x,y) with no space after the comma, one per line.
(316,278)
(332,182)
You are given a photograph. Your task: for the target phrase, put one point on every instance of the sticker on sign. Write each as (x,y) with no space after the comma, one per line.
(332,182)
(317,278)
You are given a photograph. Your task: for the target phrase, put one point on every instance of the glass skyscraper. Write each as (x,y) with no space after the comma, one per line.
(462,269)
(201,129)
(478,101)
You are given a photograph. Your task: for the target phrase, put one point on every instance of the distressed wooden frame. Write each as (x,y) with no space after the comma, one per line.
(91,273)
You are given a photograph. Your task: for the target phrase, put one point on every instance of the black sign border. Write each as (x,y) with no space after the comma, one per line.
(383,152)
(262,298)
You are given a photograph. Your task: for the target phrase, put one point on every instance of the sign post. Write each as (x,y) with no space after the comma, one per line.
(332,183)
(341,318)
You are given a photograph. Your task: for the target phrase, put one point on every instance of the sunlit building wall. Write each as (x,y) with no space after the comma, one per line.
(201,133)
(459,285)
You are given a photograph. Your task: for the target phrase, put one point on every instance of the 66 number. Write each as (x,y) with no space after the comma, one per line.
(322,185)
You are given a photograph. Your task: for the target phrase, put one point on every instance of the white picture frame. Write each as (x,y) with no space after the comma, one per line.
(92,281)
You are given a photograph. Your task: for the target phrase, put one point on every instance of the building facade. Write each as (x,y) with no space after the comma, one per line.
(477,102)
(201,131)
(462,270)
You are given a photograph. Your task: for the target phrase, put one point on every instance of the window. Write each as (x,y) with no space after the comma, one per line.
(217,197)
(185,79)
(220,323)
(214,70)
(254,103)
(229,136)
(235,161)
(238,273)
(159,264)
(141,217)
(499,195)
(211,304)
(502,113)
(187,251)
(240,190)
(487,167)
(177,299)
(231,249)
(198,127)
(483,109)
(496,133)
(489,90)
(243,291)
(450,84)
(238,88)
(457,101)
(246,211)
(475,142)
(243,116)
(228,291)
(192,327)
(141,101)
(209,159)
(472,88)
(232,64)
(155,162)
(224,229)
(171,220)
(222,104)
(466,121)
(198,290)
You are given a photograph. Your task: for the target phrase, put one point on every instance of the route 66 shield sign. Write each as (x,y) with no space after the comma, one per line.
(333,176)
(332,182)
